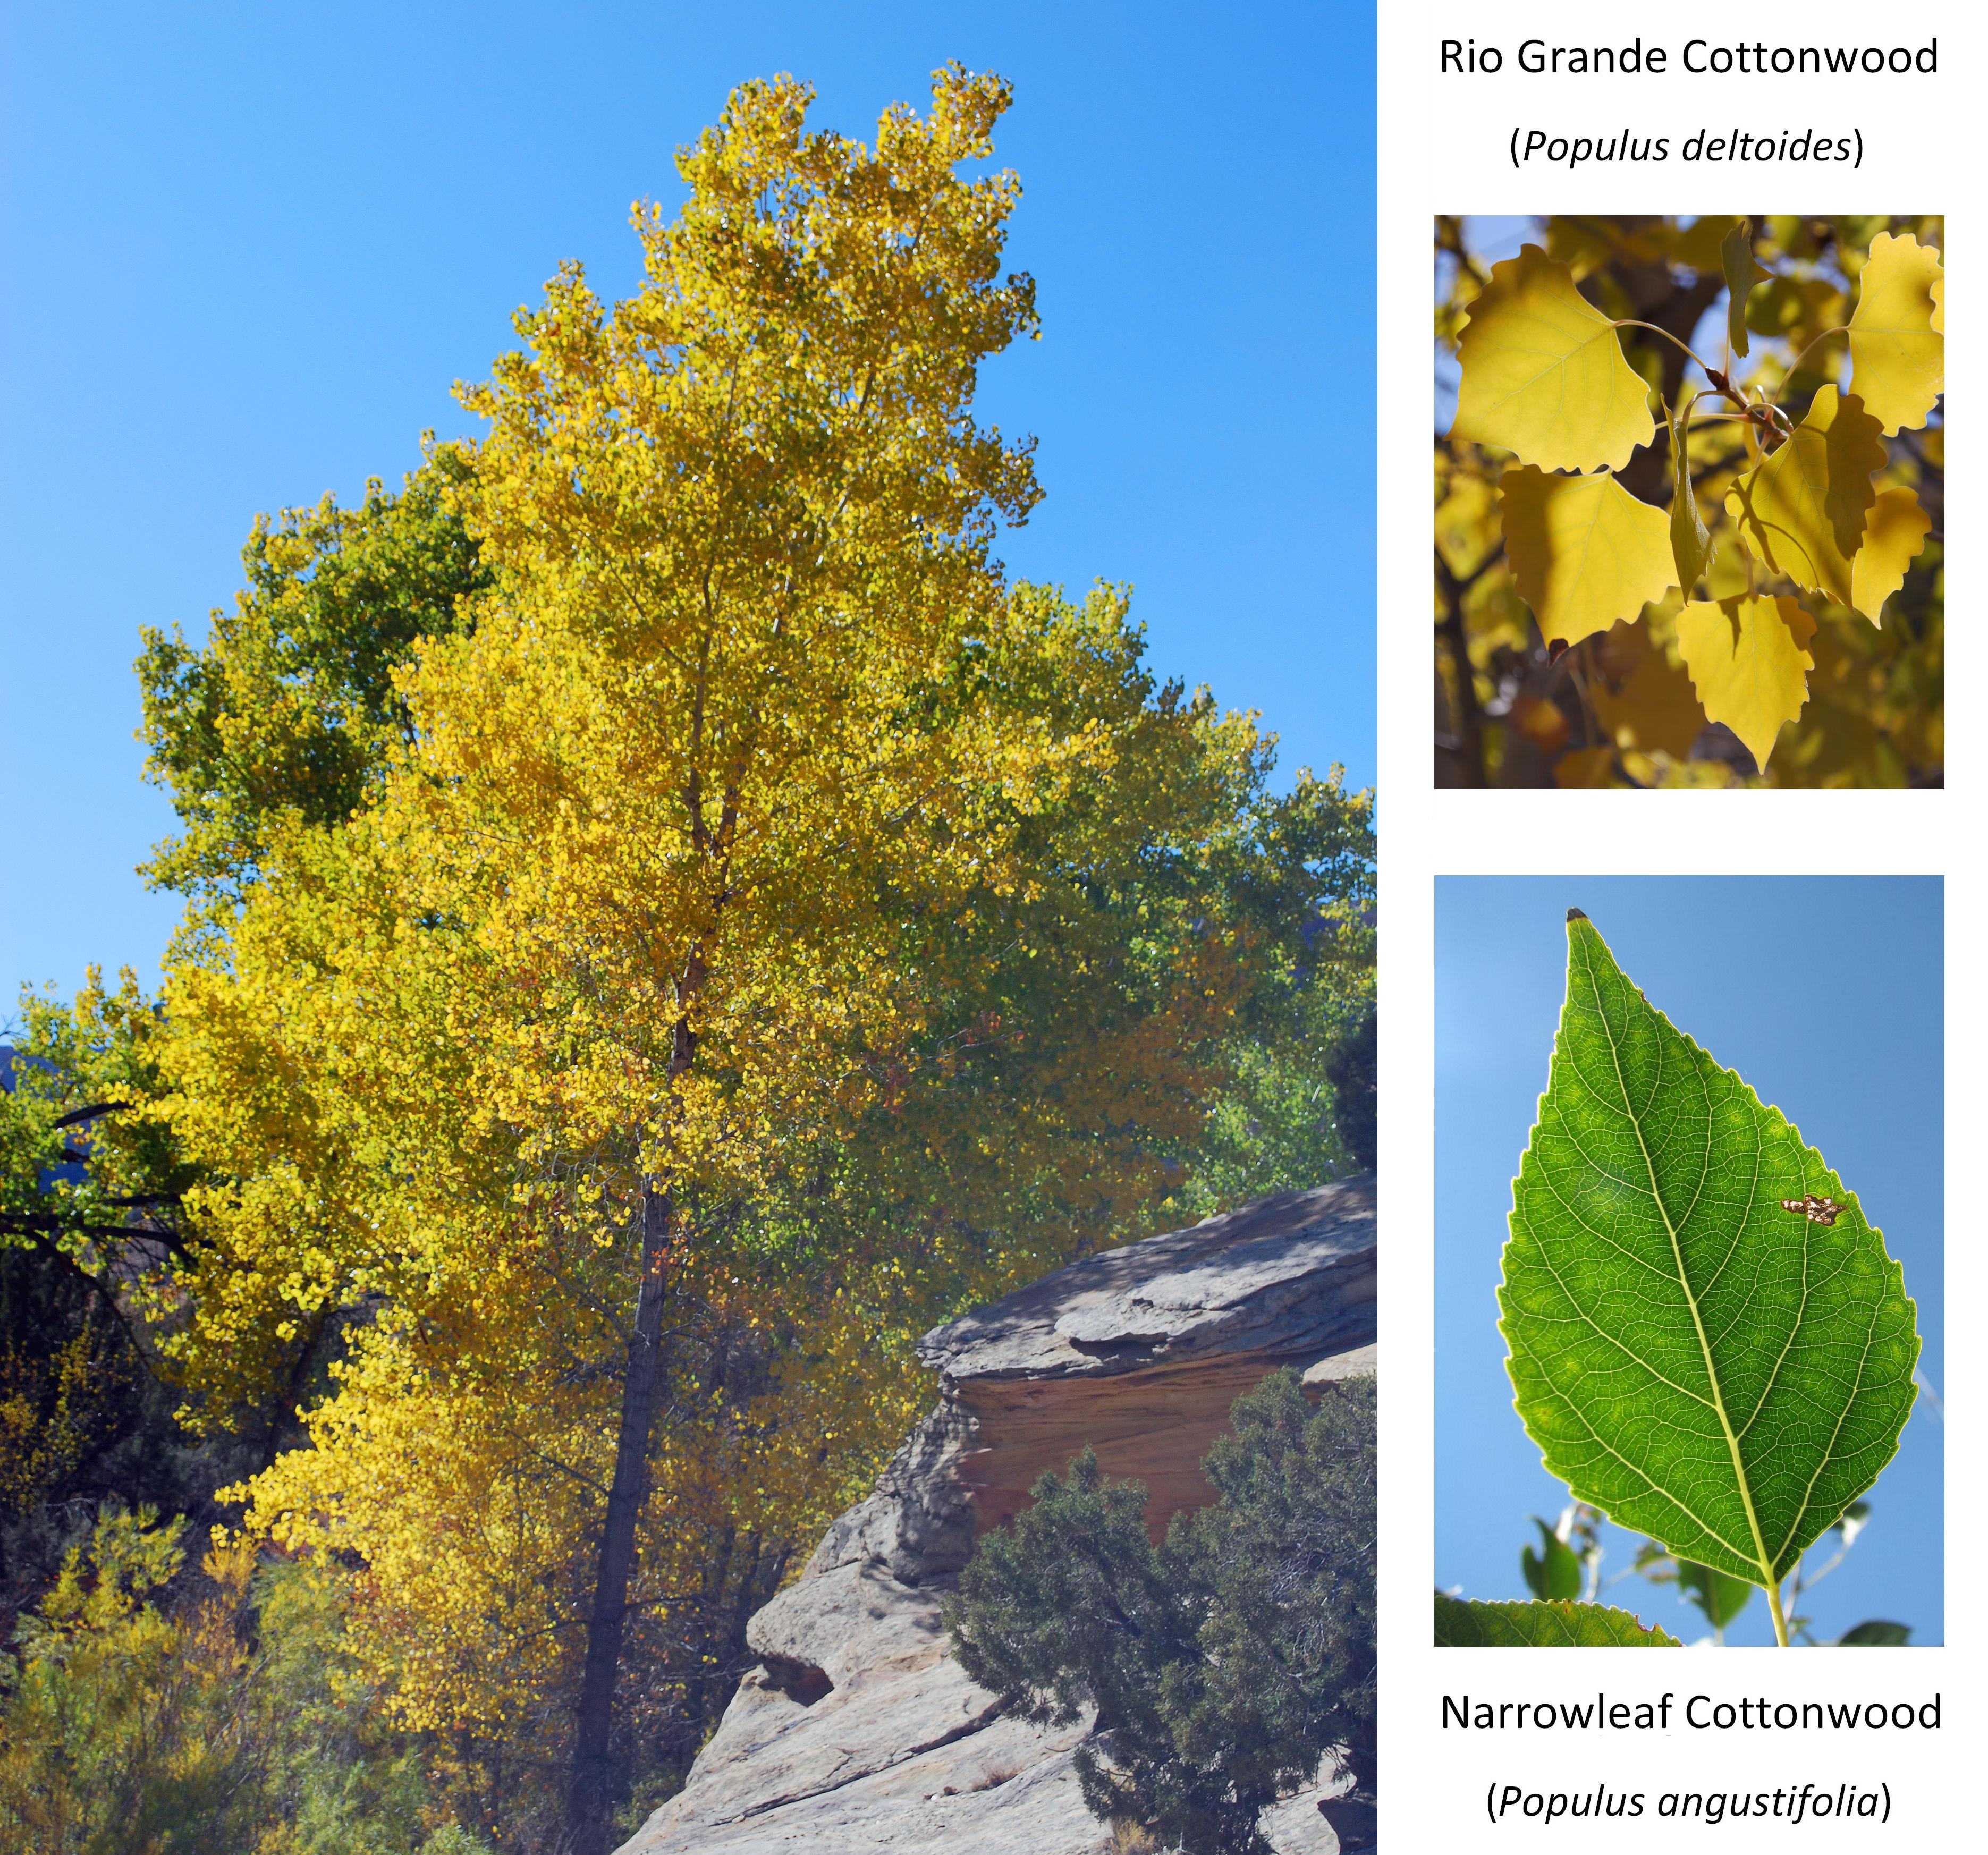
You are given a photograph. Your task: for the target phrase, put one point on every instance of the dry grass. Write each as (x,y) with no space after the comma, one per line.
(996,1775)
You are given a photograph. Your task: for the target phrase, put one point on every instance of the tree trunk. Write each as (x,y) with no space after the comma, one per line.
(589,1801)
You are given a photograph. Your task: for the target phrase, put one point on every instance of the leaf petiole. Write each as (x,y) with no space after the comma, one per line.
(1795,367)
(1781,1616)
(1709,373)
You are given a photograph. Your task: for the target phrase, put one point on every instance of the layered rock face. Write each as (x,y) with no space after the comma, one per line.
(858,1732)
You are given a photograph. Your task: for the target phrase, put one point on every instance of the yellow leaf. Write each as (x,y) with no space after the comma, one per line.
(1584,551)
(1543,374)
(1654,711)
(1697,246)
(1587,769)
(1802,512)
(1749,661)
(1542,720)
(1897,340)
(1893,533)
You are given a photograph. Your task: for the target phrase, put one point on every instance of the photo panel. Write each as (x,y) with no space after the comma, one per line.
(1689,1288)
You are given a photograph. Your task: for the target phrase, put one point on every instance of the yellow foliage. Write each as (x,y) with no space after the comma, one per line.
(757,846)
(1761,440)
(1654,711)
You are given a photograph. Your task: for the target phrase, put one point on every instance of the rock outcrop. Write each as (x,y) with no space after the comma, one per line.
(858,1732)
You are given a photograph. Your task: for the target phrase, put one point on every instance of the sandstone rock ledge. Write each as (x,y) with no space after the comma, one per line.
(858,1732)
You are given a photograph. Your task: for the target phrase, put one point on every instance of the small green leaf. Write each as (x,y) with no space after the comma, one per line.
(1691,541)
(1852,1522)
(1553,1570)
(1702,1364)
(1736,259)
(1720,1597)
(1465,1624)
(1876,1634)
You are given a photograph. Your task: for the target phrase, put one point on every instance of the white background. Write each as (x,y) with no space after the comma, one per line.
(1444,148)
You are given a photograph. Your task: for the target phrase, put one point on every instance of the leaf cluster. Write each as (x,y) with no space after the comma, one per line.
(156,1707)
(1684,541)
(1218,1666)
(91,1176)
(289,710)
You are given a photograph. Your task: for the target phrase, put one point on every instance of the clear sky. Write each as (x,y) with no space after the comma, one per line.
(246,249)
(1826,994)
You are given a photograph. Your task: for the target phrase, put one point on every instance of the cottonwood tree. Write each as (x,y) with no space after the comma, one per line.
(760,929)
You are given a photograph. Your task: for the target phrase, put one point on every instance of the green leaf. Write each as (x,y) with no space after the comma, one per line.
(1703,1365)
(1736,259)
(1465,1624)
(1584,553)
(1719,1595)
(1553,1570)
(1691,541)
(1543,374)
(1876,1634)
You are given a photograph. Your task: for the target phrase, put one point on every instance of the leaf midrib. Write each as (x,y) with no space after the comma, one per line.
(1684,1285)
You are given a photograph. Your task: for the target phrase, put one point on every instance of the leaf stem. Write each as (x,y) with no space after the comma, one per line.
(1795,367)
(1781,1616)
(1669,337)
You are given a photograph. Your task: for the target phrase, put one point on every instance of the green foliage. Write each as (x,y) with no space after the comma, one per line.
(1295,1104)
(1876,1634)
(1717,1596)
(1558,1624)
(1707,1341)
(89,1175)
(1552,1570)
(1222,1663)
(160,1711)
(1570,1556)
(1721,1597)
(291,707)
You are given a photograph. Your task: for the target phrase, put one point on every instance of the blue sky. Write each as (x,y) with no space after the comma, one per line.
(1826,994)
(246,250)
